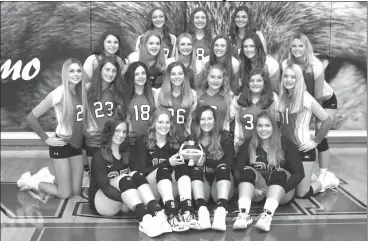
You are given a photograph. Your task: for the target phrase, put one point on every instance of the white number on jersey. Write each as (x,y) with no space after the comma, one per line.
(200,53)
(180,115)
(98,110)
(249,120)
(114,174)
(156,161)
(79,113)
(145,112)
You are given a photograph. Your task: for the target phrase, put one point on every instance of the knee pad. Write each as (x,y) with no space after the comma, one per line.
(163,173)
(308,194)
(139,179)
(247,175)
(278,177)
(196,173)
(126,183)
(323,146)
(222,172)
(181,170)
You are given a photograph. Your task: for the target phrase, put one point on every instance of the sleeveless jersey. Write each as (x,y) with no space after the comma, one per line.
(140,112)
(101,110)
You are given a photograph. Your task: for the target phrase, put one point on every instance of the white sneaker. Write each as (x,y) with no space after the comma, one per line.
(204,218)
(177,223)
(264,221)
(149,226)
(242,220)
(44,175)
(86,179)
(219,219)
(162,218)
(26,181)
(330,182)
(190,220)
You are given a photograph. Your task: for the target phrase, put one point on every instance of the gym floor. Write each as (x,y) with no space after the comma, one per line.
(338,215)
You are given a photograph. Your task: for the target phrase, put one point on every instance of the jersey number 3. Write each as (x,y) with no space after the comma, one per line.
(99,109)
(249,121)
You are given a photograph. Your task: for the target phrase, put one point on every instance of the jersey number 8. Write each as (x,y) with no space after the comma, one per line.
(145,110)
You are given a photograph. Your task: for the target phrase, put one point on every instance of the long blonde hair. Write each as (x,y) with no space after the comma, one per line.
(144,55)
(308,57)
(164,98)
(292,99)
(68,105)
(275,154)
(193,62)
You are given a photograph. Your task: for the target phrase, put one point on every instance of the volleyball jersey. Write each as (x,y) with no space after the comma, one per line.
(181,116)
(292,163)
(273,66)
(140,111)
(218,102)
(101,173)
(236,47)
(101,110)
(72,133)
(201,48)
(295,126)
(169,52)
(244,120)
(146,160)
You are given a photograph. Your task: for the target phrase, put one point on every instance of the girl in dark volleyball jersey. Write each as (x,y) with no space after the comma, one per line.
(200,27)
(255,96)
(215,92)
(139,94)
(157,20)
(267,166)
(221,54)
(152,55)
(102,100)
(65,147)
(176,95)
(297,107)
(114,188)
(301,53)
(253,55)
(185,54)
(214,177)
(155,155)
(110,45)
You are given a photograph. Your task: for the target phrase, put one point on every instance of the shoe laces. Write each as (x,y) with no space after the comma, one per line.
(175,219)
(189,216)
(241,215)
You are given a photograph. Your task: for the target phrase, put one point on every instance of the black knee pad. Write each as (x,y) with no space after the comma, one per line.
(126,183)
(163,173)
(309,194)
(323,146)
(222,172)
(196,173)
(139,179)
(247,175)
(181,170)
(278,177)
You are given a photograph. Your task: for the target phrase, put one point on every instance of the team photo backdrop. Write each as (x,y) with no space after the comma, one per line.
(36,37)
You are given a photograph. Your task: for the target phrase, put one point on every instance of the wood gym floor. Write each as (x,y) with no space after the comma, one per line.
(334,215)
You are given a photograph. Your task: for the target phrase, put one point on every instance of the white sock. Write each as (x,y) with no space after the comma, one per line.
(244,203)
(322,173)
(271,205)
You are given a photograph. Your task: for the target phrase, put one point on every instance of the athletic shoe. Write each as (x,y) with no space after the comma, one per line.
(330,182)
(149,226)
(190,220)
(162,218)
(314,177)
(219,219)
(177,223)
(242,220)
(86,179)
(264,221)
(204,218)
(44,175)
